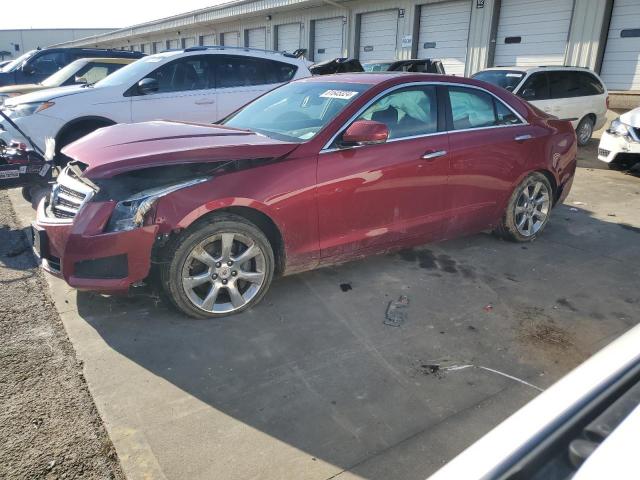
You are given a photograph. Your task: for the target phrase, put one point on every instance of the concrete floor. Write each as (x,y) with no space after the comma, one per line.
(312,385)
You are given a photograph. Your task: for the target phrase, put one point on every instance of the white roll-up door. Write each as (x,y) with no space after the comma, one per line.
(257,37)
(533,32)
(328,39)
(207,40)
(621,63)
(230,39)
(378,35)
(444,30)
(288,39)
(172,44)
(188,42)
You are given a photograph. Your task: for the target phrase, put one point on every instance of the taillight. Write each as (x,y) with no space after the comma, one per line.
(607,102)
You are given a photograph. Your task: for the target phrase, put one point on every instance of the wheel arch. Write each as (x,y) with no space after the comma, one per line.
(258,216)
(87,119)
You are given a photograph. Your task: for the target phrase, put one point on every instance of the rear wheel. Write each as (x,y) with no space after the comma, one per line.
(584,131)
(223,267)
(528,210)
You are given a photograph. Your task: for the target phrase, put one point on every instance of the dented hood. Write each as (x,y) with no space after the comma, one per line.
(125,147)
(631,118)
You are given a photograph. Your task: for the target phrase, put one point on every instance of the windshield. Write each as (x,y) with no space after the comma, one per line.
(11,66)
(63,74)
(296,111)
(508,79)
(376,67)
(134,71)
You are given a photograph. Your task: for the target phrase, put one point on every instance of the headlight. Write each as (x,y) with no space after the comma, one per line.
(26,109)
(130,213)
(618,128)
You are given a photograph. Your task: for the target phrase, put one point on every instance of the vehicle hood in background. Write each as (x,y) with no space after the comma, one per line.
(48,94)
(121,148)
(632,118)
(26,88)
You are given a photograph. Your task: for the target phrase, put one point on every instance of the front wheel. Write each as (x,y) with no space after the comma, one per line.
(222,267)
(528,210)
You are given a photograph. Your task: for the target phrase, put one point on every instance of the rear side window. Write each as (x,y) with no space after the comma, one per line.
(472,108)
(245,71)
(589,84)
(536,87)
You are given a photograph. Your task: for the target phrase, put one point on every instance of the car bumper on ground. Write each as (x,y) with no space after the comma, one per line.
(86,257)
(613,145)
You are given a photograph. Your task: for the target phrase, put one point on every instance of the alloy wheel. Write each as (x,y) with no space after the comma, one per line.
(223,272)
(585,131)
(532,208)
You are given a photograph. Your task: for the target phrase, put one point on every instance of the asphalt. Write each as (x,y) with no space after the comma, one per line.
(312,384)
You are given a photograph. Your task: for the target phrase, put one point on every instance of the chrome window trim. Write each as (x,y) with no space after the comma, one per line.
(327,145)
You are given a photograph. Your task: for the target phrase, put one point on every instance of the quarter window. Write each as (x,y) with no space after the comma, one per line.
(477,109)
(407,112)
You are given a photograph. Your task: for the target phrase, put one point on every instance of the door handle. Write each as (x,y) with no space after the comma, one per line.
(204,102)
(522,138)
(432,155)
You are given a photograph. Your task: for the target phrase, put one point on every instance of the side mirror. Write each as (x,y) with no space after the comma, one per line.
(28,69)
(147,86)
(528,94)
(366,132)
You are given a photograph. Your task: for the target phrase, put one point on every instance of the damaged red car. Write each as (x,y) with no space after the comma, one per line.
(316,172)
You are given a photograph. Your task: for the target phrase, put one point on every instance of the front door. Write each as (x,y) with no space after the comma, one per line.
(489,148)
(185,92)
(376,196)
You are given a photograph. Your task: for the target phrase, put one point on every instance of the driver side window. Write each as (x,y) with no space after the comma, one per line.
(189,73)
(406,112)
(48,63)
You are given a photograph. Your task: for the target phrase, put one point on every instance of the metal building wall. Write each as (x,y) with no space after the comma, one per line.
(588,33)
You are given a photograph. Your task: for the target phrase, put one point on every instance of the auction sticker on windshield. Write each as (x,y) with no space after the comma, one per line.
(343,94)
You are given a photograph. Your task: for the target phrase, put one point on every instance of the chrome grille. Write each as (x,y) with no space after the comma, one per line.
(68,195)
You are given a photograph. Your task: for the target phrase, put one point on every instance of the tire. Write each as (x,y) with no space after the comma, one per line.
(71,136)
(197,271)
(584,131)
(511,226)
(26,193)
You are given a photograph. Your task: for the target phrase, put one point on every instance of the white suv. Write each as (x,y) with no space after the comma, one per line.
(569,93)
(198,84)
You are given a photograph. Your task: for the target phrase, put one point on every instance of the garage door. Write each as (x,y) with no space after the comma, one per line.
(378,35)
(257,37)
(444,29)
(327,39)
(188,42)
(532,32)
(621,64)
(288,37)
(230,39)
(207,40)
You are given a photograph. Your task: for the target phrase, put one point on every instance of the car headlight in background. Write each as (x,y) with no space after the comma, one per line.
(130,213)
(619,128)
(26,109)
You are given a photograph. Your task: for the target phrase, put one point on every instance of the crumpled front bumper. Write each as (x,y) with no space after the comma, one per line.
(87,258)
(612,145)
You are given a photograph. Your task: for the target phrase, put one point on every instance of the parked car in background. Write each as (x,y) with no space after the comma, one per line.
(569,93)
(36,65)
(319,171)
(336,65)
(4,62)
(422,65)
(83,71)
(584,427)
(198,84)
(620,143)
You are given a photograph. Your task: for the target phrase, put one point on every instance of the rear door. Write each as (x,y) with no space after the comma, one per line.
(186,92)
(240,79)
(489,149)
(373,197)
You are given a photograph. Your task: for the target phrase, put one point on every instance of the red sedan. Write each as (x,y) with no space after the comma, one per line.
(316,172)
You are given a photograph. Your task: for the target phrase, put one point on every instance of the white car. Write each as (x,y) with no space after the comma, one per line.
(198,84)
(620,144)
(569,93)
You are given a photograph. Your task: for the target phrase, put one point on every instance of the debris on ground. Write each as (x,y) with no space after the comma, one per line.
(488,308)
(345,287)
(397,311)
(573,209)
(49,425)
(432,369)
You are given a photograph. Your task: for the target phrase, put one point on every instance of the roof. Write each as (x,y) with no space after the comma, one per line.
(373,78)
(533,68)
(118,60)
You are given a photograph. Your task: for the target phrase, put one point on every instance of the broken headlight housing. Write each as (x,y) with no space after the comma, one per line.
(618,128)
(130,213)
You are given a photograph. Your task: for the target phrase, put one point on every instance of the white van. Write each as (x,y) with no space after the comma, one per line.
(569,93)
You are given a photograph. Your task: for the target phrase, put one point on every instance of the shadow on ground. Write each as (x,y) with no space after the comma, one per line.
(315,367)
